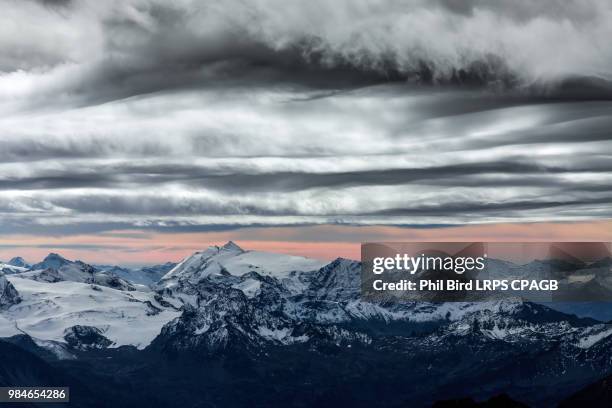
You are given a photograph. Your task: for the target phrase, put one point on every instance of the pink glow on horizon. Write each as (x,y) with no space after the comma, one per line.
(323,241)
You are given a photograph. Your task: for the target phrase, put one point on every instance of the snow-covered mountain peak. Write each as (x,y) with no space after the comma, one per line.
(231,246)
(344,262)
(19,262)
(61,269)
(55,268)
(338,281)
(230,259)
(53,261)
(55,257)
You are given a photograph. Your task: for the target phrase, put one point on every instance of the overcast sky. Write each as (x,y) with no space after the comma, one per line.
(206,116)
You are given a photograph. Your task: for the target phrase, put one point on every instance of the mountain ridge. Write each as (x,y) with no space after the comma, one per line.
(226,303)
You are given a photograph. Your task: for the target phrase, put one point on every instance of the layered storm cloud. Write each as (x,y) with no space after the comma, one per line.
(202,114)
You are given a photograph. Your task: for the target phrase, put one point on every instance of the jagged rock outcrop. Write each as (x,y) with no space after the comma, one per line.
(85,338)
(8,294)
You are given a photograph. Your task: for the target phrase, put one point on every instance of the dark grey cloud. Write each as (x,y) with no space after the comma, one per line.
(108,229)
(100,51)
(491,209)
(516,173)
(87,247)
(182,116)
(150,207)
(55,3)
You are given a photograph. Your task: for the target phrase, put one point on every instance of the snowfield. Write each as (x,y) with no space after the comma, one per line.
(48,309)
(10,269)
(235,261)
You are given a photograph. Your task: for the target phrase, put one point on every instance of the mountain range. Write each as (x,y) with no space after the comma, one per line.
(233,327)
